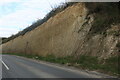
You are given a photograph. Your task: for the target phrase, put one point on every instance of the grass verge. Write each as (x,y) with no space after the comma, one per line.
(109,66)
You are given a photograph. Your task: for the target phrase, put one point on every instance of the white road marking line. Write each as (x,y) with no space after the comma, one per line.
(5,65)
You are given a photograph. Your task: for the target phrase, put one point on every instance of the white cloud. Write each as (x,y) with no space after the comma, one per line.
(21,18)
(2,2)
(26,13)
(5,32)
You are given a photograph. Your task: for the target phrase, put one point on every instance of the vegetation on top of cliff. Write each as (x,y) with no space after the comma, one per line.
(39,22)
(106,14)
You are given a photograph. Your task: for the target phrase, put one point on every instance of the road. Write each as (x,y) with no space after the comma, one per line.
(19,67)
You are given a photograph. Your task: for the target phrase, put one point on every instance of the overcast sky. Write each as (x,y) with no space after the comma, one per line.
(15,15)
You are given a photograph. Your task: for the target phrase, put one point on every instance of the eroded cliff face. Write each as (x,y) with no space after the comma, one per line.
(67,34)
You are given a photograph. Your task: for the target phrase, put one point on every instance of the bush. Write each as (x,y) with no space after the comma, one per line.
(110,15)
(118,45)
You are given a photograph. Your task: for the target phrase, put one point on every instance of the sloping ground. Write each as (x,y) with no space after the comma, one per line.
(78,30)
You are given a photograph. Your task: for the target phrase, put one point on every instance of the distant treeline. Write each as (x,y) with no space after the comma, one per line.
(39,22)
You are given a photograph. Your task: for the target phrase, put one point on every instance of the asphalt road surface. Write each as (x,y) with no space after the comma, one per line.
(19,67)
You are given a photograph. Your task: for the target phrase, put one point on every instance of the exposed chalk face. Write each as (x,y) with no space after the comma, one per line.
(67,33)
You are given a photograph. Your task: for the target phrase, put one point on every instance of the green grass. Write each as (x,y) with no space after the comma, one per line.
(109,66)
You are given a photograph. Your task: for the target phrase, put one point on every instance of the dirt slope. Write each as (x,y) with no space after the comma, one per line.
(70,32)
